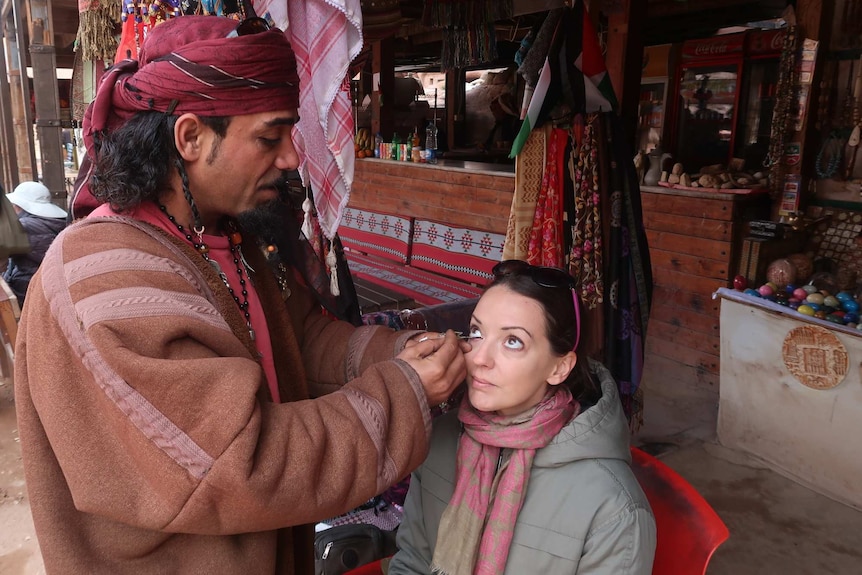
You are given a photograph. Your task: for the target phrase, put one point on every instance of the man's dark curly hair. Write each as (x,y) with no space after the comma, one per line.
(134,163)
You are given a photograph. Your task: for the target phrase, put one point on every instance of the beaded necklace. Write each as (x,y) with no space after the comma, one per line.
(242,267)
(832,148)
(785,97)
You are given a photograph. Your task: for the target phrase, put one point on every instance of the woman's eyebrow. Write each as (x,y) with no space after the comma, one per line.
(511,327)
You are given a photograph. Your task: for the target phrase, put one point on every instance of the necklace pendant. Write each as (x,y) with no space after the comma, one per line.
(251,333)
(248,269)
(219,271)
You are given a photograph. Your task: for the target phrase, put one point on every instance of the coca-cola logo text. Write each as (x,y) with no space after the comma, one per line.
(710,49)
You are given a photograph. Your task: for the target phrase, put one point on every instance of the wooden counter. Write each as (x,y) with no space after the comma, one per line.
(694,243)
(459,193)
(802,432)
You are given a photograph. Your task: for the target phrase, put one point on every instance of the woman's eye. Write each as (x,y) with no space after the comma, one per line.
(513,342)
(474,332)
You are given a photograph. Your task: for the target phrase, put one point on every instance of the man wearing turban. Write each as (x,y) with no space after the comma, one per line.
(170,388)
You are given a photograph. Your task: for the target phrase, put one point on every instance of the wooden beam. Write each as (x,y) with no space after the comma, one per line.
(382,88)
(9,159)
(48,126)
(624,59)
(20,87)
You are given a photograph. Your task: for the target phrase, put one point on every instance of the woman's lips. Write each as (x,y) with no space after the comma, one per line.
(481,383)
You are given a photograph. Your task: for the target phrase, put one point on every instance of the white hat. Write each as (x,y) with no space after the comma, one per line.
(35,198)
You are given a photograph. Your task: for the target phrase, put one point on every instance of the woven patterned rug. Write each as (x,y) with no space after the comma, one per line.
(423,287)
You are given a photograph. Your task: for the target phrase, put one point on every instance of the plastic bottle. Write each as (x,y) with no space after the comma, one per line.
(378,140)
(396,141)
(408,157)
(431,143)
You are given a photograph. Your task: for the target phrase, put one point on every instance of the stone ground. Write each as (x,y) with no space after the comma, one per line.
(776,525)
(19,550)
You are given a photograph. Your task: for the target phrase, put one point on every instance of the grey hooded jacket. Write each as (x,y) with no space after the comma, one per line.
(584,511)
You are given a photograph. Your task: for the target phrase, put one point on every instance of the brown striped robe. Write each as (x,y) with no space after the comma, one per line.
(149,440)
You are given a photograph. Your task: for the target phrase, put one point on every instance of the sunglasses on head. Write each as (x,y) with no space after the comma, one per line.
(545,277)
(249,26)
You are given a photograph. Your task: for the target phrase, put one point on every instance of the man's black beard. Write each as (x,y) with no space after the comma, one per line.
(269,221)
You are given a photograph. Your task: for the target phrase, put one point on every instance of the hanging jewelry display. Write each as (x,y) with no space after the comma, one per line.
(138,18)
(856,123)
(782,116)
(825,97)
(830,155)
(156,10)
(469,36)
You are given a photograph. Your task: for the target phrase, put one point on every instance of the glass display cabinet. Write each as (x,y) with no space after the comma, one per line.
(724,91)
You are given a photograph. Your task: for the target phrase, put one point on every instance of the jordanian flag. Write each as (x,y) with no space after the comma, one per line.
(574,73)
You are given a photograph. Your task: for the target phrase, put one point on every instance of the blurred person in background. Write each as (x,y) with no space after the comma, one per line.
(42,221)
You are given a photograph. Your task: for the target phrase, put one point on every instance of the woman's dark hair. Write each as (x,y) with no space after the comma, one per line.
(134,163)
(561,328)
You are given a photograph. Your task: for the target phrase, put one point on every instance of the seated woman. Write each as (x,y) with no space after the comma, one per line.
(531,474)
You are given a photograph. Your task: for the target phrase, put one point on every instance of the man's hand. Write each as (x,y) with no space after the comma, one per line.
(439,361)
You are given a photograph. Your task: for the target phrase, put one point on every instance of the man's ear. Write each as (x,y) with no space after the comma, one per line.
(188,137)
(563,368)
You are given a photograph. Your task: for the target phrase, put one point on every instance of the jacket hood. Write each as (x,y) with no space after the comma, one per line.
(599,432)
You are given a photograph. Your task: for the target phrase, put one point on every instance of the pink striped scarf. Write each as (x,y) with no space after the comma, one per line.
(326,36)
(467,543)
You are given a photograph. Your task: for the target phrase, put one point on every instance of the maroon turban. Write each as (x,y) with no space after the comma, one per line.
(188,64)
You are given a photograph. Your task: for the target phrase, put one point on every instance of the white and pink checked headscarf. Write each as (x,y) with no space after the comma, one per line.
(326,36)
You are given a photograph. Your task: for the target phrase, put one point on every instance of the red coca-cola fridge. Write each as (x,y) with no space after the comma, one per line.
(757,97)
(723,98)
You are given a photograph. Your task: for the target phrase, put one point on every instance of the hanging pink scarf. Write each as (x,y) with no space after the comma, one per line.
(467,544)
(546,239)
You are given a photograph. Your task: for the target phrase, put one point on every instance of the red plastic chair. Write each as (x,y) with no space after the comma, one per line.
(688,529)
(369,569)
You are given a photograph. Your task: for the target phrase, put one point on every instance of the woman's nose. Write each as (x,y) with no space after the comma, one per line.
(481,352)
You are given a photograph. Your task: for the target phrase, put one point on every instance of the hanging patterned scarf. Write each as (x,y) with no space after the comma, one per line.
(545,246)
(585,261)
(478,524)
(529,167)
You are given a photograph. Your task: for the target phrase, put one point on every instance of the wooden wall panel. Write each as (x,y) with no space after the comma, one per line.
(684,317)
(688,264)
(682,244)
(456,197)
(693,240)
